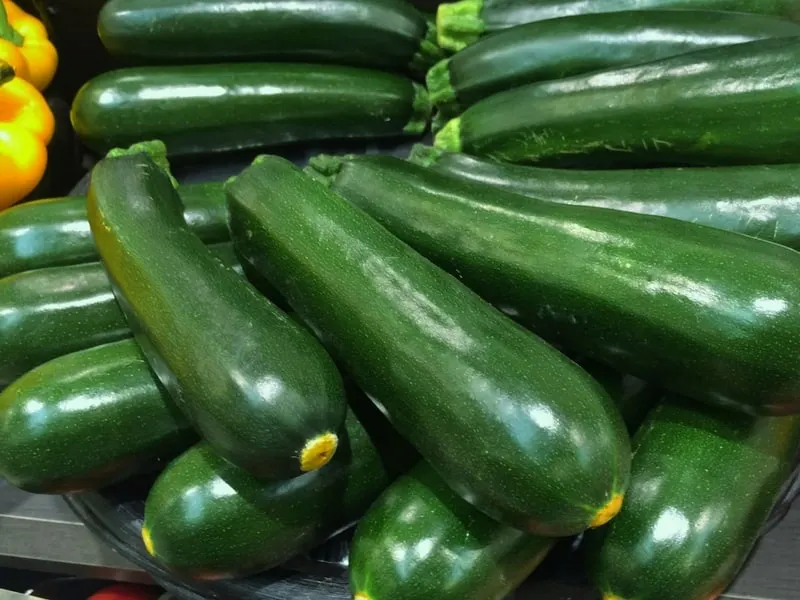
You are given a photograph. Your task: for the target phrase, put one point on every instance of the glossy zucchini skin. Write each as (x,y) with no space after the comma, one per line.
(679,110)
(53,232)
(256,385)
(205,518)
(558,48)
(478,558)
(383,34)
(201,109)
(705,312)
(703,485)
(759,200)
(47,313)
(463,23)
(87,419)
(467,387)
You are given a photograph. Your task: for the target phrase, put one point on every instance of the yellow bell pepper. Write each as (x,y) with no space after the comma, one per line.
(25,46)
(26,127)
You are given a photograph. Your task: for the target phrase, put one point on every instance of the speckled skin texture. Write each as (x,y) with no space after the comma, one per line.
(511,424)
(87,419)
(209,519)
(49,233)
(710,314)
(703,484)
(255,384)
(420,540)
(759,200)
(209,108)
(679,110)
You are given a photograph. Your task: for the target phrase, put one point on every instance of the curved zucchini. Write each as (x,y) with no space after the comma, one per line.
(759,200)
(705,312)
(53,232)
(678,110)
(464,22)
(256,385)
(86,420)
(558,48)
(47,313)
(384,34)
(491,407)
(208,519)
(212,108)
(703,484)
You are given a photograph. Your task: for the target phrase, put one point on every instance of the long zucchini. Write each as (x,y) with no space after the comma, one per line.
(87,419)
(53,232)
(212,108)
(463,23)
(714,107)
(491,407)
(705,312)
(257,386)
(760,200)
(384,34)
(558,48)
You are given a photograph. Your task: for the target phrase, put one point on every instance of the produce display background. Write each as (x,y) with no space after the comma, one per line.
(116,513)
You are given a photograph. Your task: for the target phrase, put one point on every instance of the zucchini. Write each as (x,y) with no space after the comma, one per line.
(47,313)
(53,232)
(705,312)
(760,200)
(384,34)
(678,110)
(558,48)
(208,519)
(200,109)
(490,406)
(463,23)
(87,419)
(256,385)
(703,484)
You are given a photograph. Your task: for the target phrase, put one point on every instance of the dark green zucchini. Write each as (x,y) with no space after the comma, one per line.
(206,518)
(212,108)
(463,23)
(703,484)
(491,407)
(87,419)
(256,385)
(708,313)
(53,232)
(47,313)
(714,107)
(384,34)
(558,48)
(760,200)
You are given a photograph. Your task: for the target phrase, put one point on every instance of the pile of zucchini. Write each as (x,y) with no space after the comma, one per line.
(578,312)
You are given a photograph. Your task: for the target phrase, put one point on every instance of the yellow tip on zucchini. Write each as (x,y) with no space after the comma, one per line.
(449,138)
(608,512)
(361,596)
(148,541)
(610,596)
(318,452)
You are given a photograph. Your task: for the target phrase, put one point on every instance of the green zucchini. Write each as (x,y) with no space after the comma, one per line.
(53,232)
(491,407)
(212,108)
(384,34)
(558,48)
(707,313)
(87,419)
(206,518)
(703,484)
(463,23)
(47,313)
(256,385)
(714,107)
(761,200)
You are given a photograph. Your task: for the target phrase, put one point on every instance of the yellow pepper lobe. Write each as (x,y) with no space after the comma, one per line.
(608,512)
(318,452)
(148,541)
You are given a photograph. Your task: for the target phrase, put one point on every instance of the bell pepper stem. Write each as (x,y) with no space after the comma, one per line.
(6,72)
(7,32)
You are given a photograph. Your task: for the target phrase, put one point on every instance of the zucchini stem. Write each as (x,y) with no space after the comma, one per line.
(459,24)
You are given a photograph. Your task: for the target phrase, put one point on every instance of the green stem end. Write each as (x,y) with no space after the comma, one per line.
(449,138)
(459,24)
(155,149)
(420,111)
(424,156)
